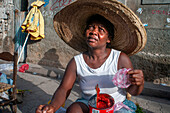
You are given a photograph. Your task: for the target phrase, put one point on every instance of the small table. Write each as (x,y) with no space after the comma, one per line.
(4,87)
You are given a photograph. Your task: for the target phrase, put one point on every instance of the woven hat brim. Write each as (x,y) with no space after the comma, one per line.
(129,34)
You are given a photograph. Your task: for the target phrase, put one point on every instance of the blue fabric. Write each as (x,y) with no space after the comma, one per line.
(83,101)
(61,110)
(130,104)
(46,3)
(4,79)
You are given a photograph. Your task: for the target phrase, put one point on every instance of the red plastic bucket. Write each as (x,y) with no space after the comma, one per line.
(92,105)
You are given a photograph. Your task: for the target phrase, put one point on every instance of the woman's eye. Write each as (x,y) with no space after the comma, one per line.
(90,27)
(102,30)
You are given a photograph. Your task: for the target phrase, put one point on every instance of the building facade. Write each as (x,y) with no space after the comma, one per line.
(154,59)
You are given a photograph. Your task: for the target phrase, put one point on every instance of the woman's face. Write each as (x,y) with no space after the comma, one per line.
(97,35)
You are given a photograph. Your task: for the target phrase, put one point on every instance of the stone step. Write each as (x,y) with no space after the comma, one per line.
(156,90)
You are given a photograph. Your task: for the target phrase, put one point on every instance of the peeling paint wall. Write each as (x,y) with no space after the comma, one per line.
(6,26)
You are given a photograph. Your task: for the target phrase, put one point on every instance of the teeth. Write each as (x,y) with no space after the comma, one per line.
(92,38)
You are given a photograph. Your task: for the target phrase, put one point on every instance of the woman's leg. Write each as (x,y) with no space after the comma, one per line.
(77,107)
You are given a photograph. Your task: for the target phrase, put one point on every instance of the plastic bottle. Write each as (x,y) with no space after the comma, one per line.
(6,67)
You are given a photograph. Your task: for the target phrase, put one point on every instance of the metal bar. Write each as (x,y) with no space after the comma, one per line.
(23,48)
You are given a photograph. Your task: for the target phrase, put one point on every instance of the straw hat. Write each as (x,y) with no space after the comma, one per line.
(129,34)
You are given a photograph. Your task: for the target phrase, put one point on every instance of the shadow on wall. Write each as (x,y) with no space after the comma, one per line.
(8,48)
(8,44)
(50,59)
(153,71)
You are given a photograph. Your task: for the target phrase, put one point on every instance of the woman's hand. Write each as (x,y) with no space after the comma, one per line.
(136,77)
(45,109)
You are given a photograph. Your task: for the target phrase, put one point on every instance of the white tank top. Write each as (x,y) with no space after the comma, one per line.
(89,78)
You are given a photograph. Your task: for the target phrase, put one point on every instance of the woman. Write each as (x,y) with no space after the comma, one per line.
(94,66)
(98,64)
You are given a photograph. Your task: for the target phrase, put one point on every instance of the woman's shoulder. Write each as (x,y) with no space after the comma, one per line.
(114,50)
(78,56)
(124,61)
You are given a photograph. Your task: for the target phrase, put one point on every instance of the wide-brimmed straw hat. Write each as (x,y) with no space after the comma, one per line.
(129,32)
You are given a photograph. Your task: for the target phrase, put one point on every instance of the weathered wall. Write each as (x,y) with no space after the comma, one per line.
(154,59)
(6,26)
(51,50)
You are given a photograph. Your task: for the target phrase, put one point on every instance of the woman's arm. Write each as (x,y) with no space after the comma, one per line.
(136,76)
(62,91)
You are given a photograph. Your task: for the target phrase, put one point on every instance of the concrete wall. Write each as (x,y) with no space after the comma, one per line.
(154,59)
(51,50)
(6,26)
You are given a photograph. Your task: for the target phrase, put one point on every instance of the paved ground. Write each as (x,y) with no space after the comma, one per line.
(43,81)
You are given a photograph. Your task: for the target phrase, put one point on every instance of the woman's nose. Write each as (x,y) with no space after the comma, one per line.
(94,31)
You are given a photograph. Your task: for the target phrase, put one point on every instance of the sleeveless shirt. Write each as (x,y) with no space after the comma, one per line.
(88,77)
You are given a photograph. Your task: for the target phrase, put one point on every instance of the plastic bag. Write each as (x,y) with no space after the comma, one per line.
(4,79)
(6,67)
(121,78)
(23,68)
(120,105)
(4,95)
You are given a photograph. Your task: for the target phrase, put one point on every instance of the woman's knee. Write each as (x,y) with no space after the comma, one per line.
(77,107)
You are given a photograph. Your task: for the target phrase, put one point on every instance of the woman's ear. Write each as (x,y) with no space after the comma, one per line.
(109,39)
(108,44)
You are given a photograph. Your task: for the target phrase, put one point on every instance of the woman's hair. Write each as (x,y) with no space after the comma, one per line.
(109,26)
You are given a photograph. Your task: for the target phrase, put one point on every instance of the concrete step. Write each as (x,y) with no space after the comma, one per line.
(156,90)
(150,89)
